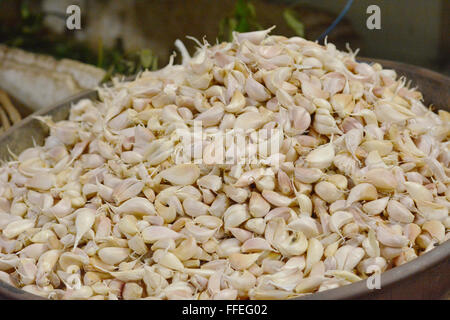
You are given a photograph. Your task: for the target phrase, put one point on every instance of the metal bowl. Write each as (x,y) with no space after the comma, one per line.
(426,277)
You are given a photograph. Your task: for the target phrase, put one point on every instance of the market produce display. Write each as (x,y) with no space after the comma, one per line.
(116,204)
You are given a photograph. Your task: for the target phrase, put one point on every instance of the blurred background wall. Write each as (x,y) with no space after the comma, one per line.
(414,31)
(125,36)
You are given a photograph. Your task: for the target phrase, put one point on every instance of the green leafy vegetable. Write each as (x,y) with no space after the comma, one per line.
(243,20)
(291,19)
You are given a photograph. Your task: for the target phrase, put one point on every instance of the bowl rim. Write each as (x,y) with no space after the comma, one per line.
(350,291)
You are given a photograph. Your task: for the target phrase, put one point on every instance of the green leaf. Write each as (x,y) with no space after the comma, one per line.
(241,8)
(232,27)
(154,64)
(222,29)
(25,10)
(251,10)
(292,21)
(146,57)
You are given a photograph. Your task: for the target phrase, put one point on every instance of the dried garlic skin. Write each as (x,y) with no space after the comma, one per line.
(343,173)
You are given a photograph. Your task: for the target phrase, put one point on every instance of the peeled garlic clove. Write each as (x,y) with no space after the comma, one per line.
(363,191)
(307,175)
(258,207)
(265,183)
(255,245)
(219,205)
(343,104)
(341,256)
(277,199)
(211,117)
(15,228)
(301,119)
(339,219)
(169,260)
(78,258)
(238,195)
(346,275)
(324,123)
(418,191)
(137,244)
(113,255)
(432,210)
(34,250)
(256,90)
(436,229)
(41,181)
(84,221)
(333,82)
(345,163)
(307,225)
(211,182)
(309,284)
(304,203)
(237,103)
(61,209)
(399,212)
(132,291)
(249,177)
(250,120)
(337,206)
(186,249)
(19,209)
(383,147)
(411,231)
(195,208)
(314,254)
(338,180)
(391,239)
(240,234)
(131,157)
(284,99)
(390,112)
(27,271)
(371,265)
(327,191)
(381,178)
(242,281)
(256,225)
(376,206)
(370,244)
(47,262)
(241,261)
(5,277)
(321,157)
(127,189)
(183,174)
(235,215)
(200,234)
(128,225)
(292,246)
(154,233)
(42,236)
(136,206)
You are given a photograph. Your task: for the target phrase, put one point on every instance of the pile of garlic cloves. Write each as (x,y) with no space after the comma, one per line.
(103,210)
